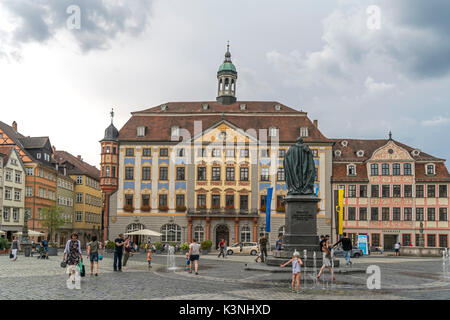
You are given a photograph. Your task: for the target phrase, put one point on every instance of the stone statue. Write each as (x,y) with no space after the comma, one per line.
(299,168)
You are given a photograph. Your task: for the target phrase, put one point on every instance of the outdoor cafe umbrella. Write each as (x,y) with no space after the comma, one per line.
(144,232)
(2,232)
(31,233)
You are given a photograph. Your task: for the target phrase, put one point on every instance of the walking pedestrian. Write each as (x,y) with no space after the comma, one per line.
(397,249)
(118,253)
(326,261)
(93,248)
(14,247)
(127,253)
(279,242)
(296,275)
(263,244)
(221,248)
(73,253)
(194,255)
(346,247)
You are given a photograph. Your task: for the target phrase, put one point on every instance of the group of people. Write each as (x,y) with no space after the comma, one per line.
(73,255)
(325,248)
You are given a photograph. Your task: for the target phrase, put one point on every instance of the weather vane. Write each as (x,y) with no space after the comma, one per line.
(112,114)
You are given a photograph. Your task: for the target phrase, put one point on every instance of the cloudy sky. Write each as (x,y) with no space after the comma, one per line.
(360,76)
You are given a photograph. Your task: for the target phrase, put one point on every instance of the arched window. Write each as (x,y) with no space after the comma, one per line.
(135,227)
(245,234)
(227,84)
(199,234)
(170,232)
(281,230)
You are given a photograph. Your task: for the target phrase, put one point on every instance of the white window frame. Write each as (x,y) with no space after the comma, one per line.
(140,131)
(304,132)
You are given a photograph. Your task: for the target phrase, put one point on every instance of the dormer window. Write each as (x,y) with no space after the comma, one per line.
(344,143)
(303,132)
(273,131)
(163,107)
(430,169)
(175,133)
(277,107)
(205,106)
(46,157)
(38,155)
(338,153)
(351,170)
(360,153)
(243,106)
(140,131)
(415,152)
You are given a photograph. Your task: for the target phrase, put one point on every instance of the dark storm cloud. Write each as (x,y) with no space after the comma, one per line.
(101,20)
(426,52)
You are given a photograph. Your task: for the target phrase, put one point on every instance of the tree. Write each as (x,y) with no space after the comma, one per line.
(52,219)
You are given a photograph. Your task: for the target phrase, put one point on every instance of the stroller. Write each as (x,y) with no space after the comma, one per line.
(42,254)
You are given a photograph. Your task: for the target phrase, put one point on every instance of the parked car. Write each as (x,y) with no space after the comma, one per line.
(356,252)
(247,248)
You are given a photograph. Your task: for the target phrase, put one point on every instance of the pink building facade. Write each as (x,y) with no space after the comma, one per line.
(392,193)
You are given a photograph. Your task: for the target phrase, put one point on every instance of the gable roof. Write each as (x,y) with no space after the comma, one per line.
(78,165)
(6,153)
(35,142)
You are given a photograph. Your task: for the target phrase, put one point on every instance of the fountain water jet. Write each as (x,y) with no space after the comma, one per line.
(171,259)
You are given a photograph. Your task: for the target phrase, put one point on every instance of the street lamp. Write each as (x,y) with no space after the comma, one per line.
(421,240)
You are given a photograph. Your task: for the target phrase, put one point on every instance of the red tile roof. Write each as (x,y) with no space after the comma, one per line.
(80,167)
(349,155)
(215,107)
(258,115)
(369,146)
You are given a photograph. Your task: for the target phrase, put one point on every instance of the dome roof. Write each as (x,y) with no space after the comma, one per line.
(111,133)
(227,66)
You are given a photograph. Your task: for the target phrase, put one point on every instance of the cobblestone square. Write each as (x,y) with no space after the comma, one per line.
(218,279)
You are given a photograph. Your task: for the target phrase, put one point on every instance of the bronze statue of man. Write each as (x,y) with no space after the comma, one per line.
(299,168)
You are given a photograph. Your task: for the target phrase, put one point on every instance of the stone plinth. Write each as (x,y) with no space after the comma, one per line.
(421,252)
(300,231)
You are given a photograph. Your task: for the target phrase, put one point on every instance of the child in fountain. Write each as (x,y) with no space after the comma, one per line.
(296,263)
(149,258)
(188,262)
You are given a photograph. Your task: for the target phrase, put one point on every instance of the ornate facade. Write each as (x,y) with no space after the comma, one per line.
(392,193)
(202,169)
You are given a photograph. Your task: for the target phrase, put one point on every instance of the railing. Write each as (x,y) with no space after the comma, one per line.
(222,212)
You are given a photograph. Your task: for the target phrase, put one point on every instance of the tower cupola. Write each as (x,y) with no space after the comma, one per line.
(226,78)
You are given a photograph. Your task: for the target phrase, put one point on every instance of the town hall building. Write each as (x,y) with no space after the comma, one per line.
(202,169)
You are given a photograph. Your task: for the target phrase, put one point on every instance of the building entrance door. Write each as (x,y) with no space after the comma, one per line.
(389,241)
(222,232)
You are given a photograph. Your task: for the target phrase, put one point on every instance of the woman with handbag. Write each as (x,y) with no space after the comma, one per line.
(93,248)
(72,255)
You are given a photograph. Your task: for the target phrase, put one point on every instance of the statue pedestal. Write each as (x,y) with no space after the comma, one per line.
(300,231)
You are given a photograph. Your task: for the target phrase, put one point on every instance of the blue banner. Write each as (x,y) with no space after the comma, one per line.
(268,204)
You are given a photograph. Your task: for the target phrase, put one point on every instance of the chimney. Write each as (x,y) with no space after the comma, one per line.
(316,123)
(79,157)
(14,126)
